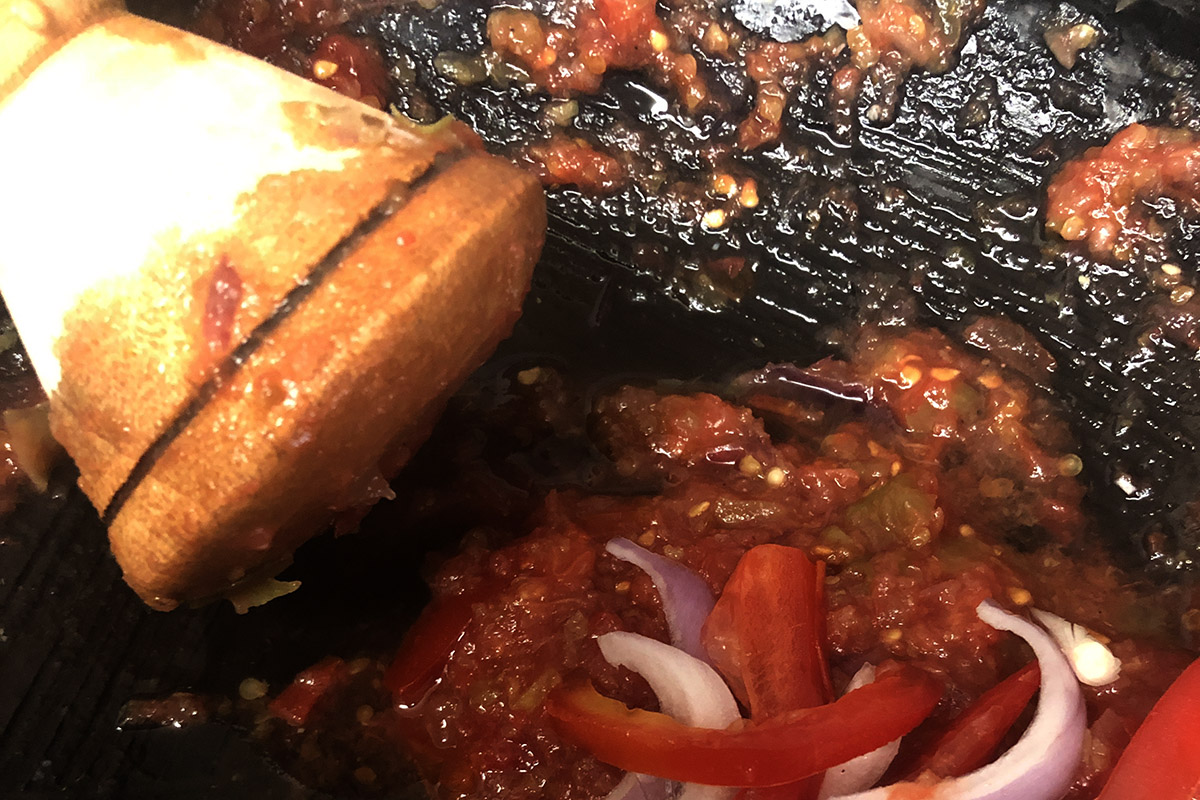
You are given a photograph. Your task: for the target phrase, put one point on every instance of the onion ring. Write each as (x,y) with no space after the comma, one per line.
(1042,764)
(687,689)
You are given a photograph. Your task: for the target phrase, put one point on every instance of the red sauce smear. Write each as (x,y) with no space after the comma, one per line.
(221,305)
(901,27)
(777,69)
(1095,198)
(351,66)
(566,161)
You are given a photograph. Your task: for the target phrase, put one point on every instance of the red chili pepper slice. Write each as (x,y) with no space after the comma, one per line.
(767,634)
(773,752)
(1162,760)
(974,735)
(427,647)
(295,704)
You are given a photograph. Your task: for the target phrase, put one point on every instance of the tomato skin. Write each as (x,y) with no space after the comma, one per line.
(774,752)
(295,704)
(974,735)
(1162,760)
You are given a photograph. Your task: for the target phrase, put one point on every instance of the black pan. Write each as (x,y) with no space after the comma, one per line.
(615,295)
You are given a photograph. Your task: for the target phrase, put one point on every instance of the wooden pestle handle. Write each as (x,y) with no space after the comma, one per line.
(246,296)
(32,30)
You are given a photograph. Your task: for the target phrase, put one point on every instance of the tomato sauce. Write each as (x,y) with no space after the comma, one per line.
(906,28)
(944,480)
(777,69)
(1097,197)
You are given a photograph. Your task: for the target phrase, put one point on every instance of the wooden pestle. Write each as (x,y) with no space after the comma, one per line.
(246,296)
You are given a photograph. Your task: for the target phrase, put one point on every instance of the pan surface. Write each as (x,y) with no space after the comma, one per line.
(939,223)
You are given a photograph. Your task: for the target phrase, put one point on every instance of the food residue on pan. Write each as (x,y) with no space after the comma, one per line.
(1109,199)
(304,37)
(1098,197)
(696,62)
(572,50)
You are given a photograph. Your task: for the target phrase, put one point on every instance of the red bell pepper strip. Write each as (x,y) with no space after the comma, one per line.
(766,633)
(427,647)
(295,704)
(1162,760)
(974,735)
(778,751)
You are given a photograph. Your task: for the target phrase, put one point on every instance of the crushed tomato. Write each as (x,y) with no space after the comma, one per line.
(1096,198)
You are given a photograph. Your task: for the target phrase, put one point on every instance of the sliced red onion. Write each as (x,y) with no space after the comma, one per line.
(1093,662)
(698,791)
(687,689)
(686,598)
(1042,764)
(864,771)
(636,786)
